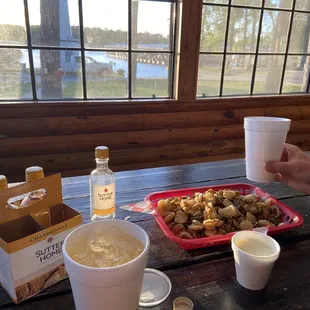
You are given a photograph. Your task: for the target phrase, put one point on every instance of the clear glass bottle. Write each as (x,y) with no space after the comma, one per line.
(33,173)
(3,182)
(102,187)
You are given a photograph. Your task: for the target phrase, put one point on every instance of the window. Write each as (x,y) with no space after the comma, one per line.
(254,47)
(86,49)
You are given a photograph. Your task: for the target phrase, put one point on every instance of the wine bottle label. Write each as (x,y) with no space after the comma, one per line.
(104,199)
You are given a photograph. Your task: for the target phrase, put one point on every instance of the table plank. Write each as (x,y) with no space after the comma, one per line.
(278,190)
(212,285)
(133,186)
(159,177)
(166,255)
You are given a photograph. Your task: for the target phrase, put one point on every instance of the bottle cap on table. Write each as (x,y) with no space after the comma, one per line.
(3,182)
(102,152)
(183,303)
(34,172)
(156,287)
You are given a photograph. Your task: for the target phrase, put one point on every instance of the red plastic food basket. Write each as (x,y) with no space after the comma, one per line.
(290,217)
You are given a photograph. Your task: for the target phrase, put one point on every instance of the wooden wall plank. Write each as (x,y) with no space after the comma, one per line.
(55,126)
(293,112)
(135,157)
(83,160)
(116,140)
(88,108)
(124,140)
(152,134)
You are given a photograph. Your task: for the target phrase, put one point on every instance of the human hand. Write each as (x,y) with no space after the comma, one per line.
(293,168)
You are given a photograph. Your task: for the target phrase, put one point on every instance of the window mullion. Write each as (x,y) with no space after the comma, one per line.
(30,55)
(82,49)
(257,46)
(287,46)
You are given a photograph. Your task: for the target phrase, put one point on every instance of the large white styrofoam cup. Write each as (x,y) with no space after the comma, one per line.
(253,271)
(112,288)
(264,140)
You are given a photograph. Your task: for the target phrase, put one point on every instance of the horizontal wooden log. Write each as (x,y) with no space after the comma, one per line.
(292,112)
(121,140)
(82,160)
(10,128)
(133,158)
(54,126)
(116,140)
(91,107)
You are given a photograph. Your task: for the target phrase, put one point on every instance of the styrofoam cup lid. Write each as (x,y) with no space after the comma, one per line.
(156,287)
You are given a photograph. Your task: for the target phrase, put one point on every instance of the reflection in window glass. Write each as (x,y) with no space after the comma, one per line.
(216,1)
(283,4)
(247,2)
(243,28)
(213,28)
(106,74)
(296,74)
(53,25)
(151,27)
(12,23)
(151,75)
(105,23)
(55,76)
(238,74)
(268,74)
(274,31)
(209,75)
(15,80)
(303,5)
(300,34)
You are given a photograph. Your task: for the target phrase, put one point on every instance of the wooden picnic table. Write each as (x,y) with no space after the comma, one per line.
(206,276)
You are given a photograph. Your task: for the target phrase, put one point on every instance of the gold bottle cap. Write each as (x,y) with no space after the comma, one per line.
(183,303)
(102,152)
(3,182)
(33,173)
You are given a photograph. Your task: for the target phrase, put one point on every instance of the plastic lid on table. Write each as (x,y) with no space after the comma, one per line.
(156,287)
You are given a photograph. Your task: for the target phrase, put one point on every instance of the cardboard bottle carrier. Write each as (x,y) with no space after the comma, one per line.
(31,238)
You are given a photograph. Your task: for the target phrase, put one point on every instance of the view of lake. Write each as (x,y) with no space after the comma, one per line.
(143,70)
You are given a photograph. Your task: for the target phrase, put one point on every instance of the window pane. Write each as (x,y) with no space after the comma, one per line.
(53,25)
(296,74)
(57,74)
(268,74)
(216,1)
(238,74)
(283,4)
(243,30)
(302,5)
(12,22)
(209,75)
(299,42)
(106,74)
(152,25)
(213,28)
(105,23)
(248,2)
(151,75)
(15,80)
(274,32)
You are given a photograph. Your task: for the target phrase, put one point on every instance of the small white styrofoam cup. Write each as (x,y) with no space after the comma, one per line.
(264,140)
(253,271)
(112,288)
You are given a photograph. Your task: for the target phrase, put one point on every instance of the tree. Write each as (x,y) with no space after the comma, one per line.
(50,59)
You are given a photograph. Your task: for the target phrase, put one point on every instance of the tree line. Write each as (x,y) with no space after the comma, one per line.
(94,37)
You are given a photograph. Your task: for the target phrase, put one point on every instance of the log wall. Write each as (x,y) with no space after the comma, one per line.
(61,137)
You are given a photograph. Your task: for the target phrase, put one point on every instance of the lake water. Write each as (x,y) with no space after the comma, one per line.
(143,70)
